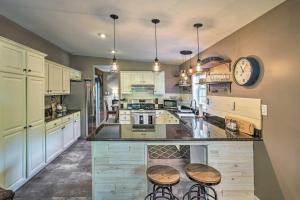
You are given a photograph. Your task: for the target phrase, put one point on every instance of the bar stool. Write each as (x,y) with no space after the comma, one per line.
(163,178)
(205,177)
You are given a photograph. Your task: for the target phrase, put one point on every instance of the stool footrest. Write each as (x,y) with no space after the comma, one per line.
(202,192)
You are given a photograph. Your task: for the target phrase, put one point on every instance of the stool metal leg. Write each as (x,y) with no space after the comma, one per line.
(201,192)
(161,191)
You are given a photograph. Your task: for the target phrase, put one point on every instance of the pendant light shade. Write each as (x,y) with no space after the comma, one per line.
(156,65)
(198,65)
(114,66)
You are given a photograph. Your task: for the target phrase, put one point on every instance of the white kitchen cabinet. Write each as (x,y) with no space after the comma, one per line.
(12,58)
(77,126)
(14,158)
(46,78)
(55,79)
(54,143)
(142,77)
(159,83)
(125,117)
(66,81)
(35,101)
(35,125)
(12,103)
(125,82)
(68,133)
(35,64)
(36,157)
(75,75)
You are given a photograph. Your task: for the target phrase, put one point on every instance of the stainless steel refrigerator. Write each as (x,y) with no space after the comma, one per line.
(82,97)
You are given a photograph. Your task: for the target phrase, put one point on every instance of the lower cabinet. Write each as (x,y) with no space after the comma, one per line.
(14,159)
(54,143)
(36,157)
(77,128)
(68,134)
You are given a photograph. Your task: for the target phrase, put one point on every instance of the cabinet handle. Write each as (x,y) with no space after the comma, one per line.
(24,70)
(29,70)
(25,127)
(54,124)
(30,126)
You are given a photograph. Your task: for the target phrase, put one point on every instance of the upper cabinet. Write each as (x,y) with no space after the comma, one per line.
(18,59)
(58,78)
(55,81)
(159,83)
(129,78)
(66,81)
(35,64)
(12,58)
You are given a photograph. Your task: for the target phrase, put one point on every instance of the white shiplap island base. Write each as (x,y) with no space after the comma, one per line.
(119,168)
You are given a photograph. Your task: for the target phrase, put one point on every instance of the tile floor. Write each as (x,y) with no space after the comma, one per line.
(67,178)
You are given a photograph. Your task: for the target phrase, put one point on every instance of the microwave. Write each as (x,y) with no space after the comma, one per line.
(170,104)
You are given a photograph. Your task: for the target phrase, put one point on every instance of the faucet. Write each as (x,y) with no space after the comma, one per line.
(195,104)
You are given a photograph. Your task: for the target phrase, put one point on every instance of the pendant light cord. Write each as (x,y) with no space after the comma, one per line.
(114,38)
(155,42)
(198,40)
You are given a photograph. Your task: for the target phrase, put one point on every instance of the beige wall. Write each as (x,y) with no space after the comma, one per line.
(86,65)
(275,40)
(15,32)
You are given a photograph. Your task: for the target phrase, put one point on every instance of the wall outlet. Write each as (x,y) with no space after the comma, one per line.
(264,110)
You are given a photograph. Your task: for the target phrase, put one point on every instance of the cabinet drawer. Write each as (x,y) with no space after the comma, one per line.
(125,117)
(53,124)
(124,112)
(76,115)
(67,118)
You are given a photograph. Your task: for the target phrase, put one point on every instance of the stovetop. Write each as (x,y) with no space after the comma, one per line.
(142,106)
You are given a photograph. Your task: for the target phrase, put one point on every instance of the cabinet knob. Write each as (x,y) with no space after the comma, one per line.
(29,70)
(63,127)
(25,127)
(24,70)
(30,126)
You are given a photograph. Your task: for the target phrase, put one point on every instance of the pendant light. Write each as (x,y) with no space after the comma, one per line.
(191,70)
(114,66)
(187,53)
(198,66)
(156,65)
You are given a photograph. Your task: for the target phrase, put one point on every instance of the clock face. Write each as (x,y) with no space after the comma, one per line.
(243,72)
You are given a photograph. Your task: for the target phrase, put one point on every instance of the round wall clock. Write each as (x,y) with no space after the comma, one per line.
(246,71)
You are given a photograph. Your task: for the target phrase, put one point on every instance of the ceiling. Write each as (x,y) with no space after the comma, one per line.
(73,24)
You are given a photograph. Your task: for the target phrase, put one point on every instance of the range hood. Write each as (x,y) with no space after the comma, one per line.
(142,88)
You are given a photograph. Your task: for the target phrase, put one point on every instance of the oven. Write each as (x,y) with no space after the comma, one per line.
(143,117)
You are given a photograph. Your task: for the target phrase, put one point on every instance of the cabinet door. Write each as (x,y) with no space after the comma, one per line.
(68,135)
(125,82)
(12,58)
(14,159)
(66,81)
(35,64)
(147,78)
(54,144)
(159,83)
(12,103)
(35,149)
(76,128)
(35,101)
(46,78)
(55,79)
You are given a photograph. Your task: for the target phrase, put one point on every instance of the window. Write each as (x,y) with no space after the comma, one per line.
(199,90)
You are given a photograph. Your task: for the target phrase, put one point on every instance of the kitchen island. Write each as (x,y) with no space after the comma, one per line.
(120,155)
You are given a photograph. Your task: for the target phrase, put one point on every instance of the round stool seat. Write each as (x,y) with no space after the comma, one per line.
(163,175)
(203,174)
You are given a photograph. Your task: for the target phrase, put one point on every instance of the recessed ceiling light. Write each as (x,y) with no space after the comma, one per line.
(102,35)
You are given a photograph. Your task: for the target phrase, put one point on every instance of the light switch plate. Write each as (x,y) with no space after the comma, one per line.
(264,110)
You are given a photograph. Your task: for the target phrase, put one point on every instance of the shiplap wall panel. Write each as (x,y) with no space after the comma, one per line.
(245,108)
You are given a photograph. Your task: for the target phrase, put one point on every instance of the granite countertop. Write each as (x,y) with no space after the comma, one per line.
(59,115)
(190,130)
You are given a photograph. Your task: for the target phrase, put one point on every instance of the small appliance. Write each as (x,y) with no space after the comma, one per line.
(170,104)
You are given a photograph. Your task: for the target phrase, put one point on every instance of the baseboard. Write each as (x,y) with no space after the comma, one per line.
(256,198)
